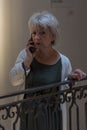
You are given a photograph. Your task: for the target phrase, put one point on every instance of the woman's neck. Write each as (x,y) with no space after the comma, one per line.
(45,53)
(49,56)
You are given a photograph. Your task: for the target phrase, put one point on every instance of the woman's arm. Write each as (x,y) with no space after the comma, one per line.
(17,73)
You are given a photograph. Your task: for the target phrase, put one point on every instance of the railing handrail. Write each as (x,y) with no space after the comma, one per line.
(38,100)
(43,87)
(59,92)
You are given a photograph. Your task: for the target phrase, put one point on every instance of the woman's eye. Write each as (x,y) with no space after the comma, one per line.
(42,33)
(38,33)
(34,33)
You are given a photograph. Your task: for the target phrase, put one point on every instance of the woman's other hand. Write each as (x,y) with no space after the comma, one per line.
(77,74)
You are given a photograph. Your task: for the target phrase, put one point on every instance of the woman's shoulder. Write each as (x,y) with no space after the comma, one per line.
(66,64)
(22,54)
(64,58)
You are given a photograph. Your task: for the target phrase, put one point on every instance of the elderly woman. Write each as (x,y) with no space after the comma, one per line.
(40,64)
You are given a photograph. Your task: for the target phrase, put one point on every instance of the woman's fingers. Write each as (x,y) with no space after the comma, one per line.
(77,74)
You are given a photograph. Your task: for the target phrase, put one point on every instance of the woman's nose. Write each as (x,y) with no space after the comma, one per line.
(37,36)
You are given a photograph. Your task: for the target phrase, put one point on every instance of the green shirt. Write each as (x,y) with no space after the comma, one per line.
(42,74)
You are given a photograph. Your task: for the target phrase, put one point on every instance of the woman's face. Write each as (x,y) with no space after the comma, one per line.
(42,37)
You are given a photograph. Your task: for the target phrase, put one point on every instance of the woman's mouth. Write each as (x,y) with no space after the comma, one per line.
(37,44)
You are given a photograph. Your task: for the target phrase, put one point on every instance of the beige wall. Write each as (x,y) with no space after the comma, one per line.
(14,15)
(15,33)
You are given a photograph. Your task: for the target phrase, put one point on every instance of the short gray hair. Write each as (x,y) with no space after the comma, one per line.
(46,20)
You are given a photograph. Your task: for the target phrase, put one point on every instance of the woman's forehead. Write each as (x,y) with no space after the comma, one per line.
(38,28)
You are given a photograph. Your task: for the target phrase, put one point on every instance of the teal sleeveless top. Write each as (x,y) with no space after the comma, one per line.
(42,74)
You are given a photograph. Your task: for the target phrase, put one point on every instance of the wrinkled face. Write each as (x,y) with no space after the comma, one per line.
(42,37)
